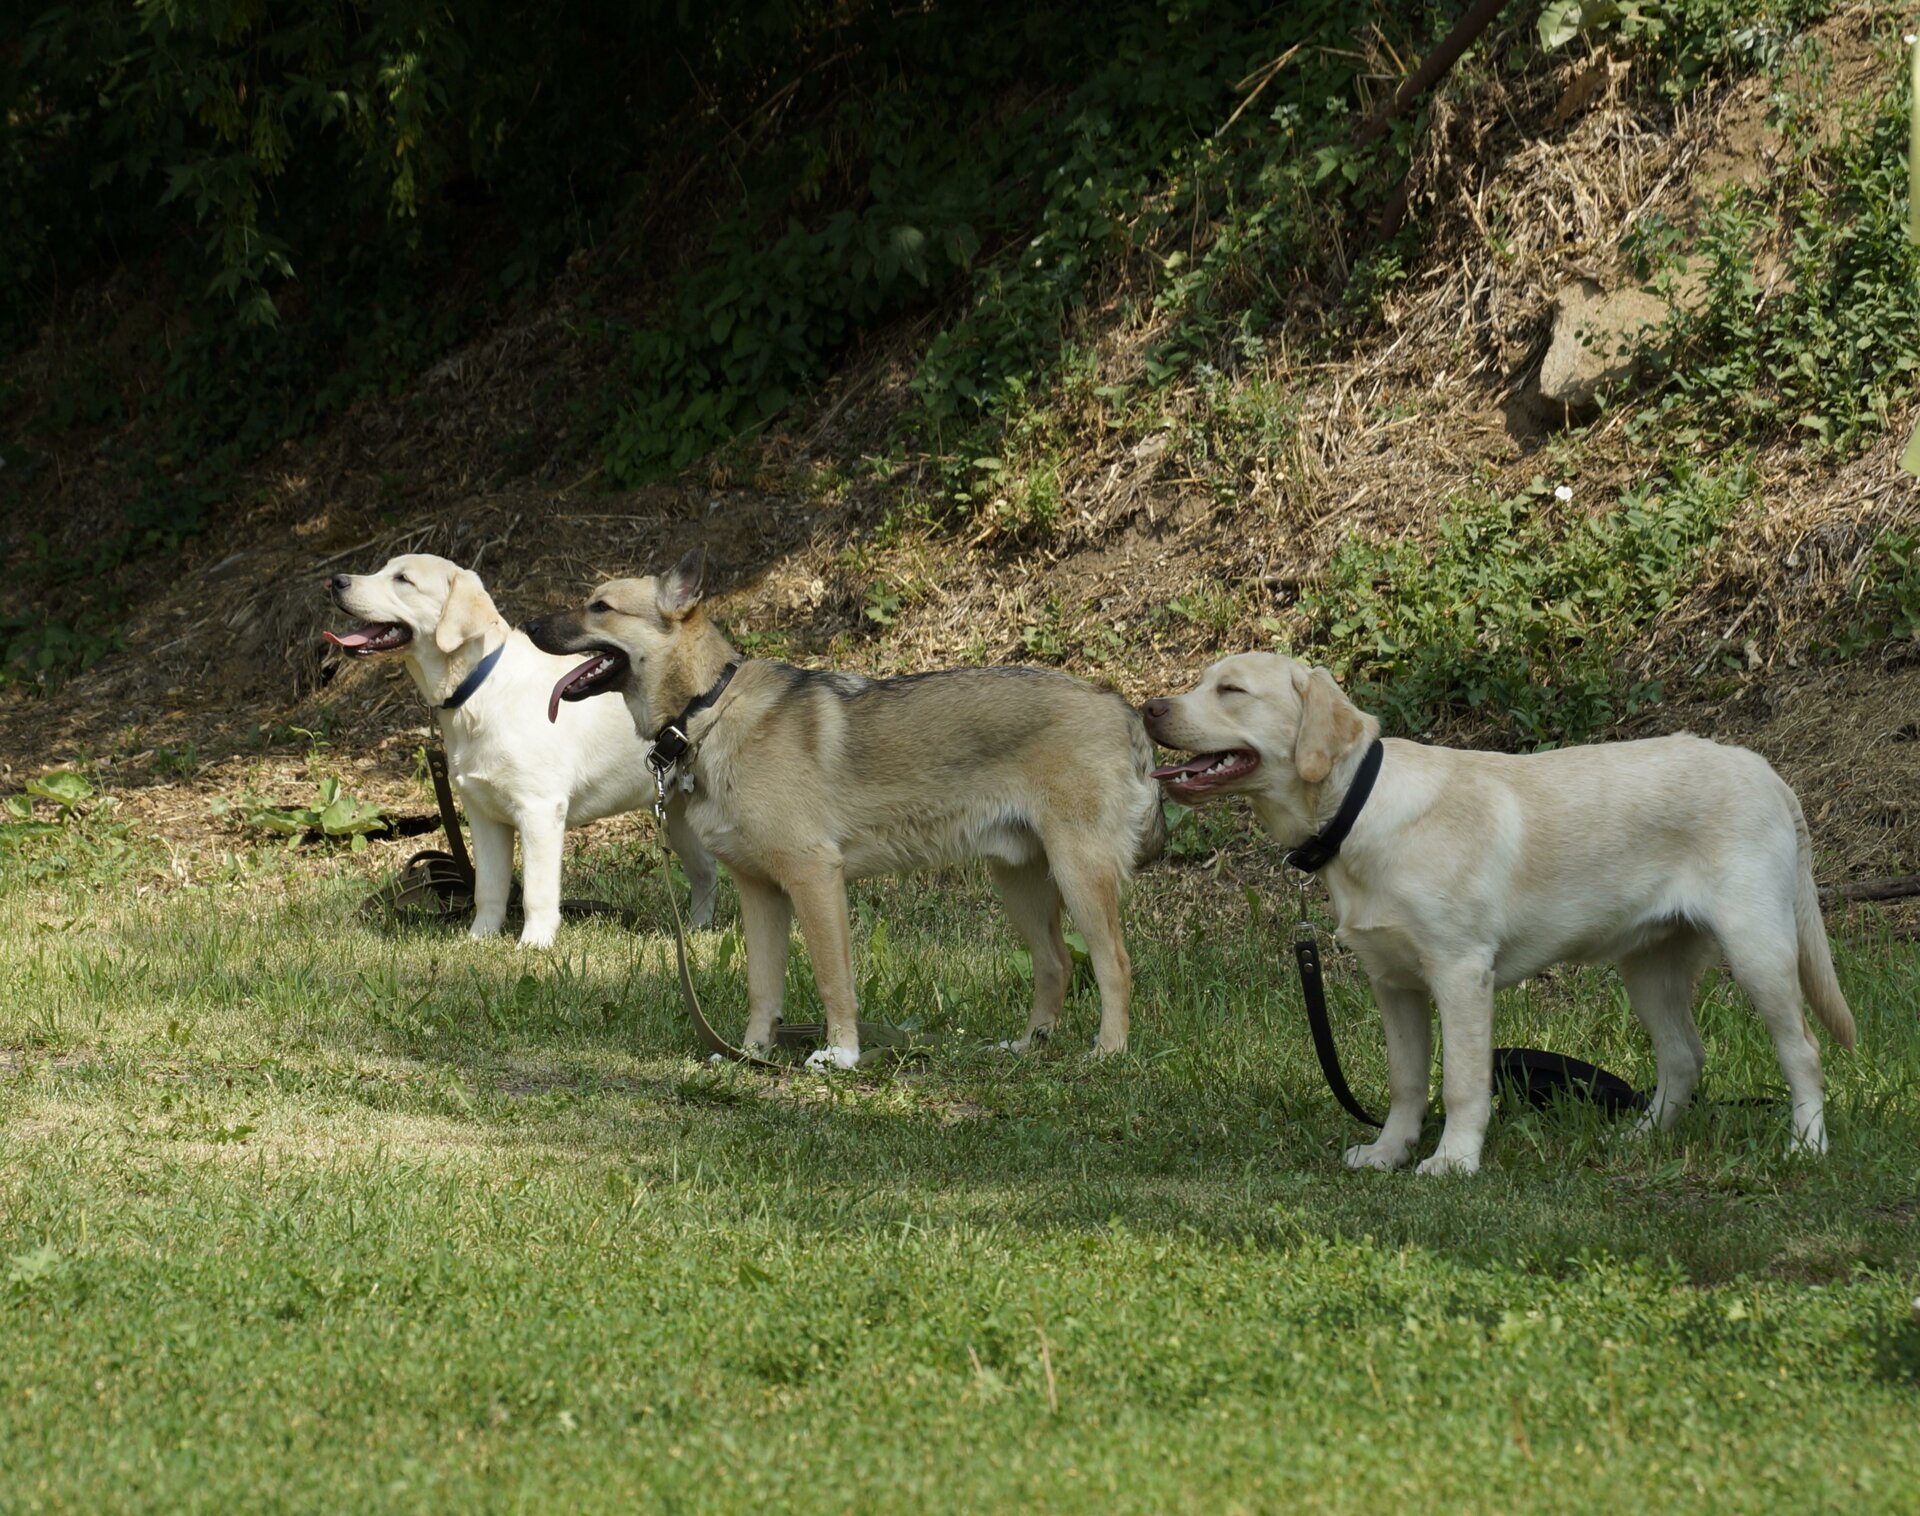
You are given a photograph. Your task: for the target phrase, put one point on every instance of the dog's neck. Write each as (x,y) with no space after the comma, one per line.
(1303,810)
(694,669)
(437,675)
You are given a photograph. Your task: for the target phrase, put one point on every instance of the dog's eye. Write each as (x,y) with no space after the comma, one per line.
(1228,689)
(403,579)
(599,607)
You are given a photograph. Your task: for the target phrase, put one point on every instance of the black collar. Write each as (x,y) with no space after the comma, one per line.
(1324,845)
(473,681)
(671,742)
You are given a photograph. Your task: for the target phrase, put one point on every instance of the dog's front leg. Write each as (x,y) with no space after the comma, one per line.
(818,889)
(492,872)
(1464,993)
(543,844)
(765,916)
(1408,1020)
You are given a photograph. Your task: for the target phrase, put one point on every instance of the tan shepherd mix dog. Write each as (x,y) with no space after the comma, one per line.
(1467,872)
(802,781)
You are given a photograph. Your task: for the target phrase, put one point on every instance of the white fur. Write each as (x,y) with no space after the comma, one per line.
(1467,872)
(513,770)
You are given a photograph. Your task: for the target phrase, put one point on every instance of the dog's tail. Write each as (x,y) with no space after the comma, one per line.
(1151,837)
(1817,979)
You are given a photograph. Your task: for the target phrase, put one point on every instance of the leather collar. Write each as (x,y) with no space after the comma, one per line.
(671,743)
(1324,845)
(473,681)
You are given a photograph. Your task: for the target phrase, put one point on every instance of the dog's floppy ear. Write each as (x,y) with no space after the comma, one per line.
(1329,724)
(467,613)
(679,592)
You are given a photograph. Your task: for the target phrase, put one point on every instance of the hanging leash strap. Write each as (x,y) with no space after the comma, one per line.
(1310,857)
(1306,953)
(450,817)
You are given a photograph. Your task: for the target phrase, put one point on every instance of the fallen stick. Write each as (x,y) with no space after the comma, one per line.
(1900,887)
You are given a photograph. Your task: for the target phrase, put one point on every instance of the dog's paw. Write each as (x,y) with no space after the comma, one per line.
(1444,1162)
(538,936)
(1099,1049)
(480,931)
(1809,1142)
(825,1060)
(1384,1156)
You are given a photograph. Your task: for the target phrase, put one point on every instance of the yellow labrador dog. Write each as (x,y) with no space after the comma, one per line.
(514,770)
(1465,872)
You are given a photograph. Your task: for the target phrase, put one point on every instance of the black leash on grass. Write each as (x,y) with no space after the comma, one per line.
(439,882)
(1537,1075)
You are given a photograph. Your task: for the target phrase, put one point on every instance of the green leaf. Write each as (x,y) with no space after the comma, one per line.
(62,786)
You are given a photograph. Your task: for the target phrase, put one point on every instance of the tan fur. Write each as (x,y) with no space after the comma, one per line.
(1469,871)
(804,781)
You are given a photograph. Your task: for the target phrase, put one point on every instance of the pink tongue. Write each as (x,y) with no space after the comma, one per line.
(1191,766)
(560,689)
(349,639)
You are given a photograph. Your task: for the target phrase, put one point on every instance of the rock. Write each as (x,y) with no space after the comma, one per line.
(1593,336)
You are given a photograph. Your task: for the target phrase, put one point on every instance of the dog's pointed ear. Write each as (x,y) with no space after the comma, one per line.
(467,614)
(1330,724)
(679,592)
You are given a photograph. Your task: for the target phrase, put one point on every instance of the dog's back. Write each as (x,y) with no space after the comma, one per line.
(932,768)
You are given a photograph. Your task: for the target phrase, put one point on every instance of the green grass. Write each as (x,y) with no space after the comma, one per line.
(300,1213)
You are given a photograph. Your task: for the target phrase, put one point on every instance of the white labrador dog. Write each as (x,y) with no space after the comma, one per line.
(1465,872)
(514,770)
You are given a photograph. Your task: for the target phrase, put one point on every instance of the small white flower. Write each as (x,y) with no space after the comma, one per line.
(1911,38)
(1563,493)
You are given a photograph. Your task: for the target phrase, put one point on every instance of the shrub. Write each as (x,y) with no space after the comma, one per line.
(1517,612)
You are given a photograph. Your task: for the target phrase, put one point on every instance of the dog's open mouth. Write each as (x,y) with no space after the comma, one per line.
(1207,771)
(374,637)
(600,673)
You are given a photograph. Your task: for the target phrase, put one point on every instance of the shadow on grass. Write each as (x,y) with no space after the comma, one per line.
(1216,1126)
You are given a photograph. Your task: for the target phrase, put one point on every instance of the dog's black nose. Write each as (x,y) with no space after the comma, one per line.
(1157,710)
(335,583)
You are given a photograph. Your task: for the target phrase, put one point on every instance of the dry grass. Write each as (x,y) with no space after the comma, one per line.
(1523,183)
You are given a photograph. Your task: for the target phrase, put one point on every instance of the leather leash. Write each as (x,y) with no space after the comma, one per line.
(1306,953)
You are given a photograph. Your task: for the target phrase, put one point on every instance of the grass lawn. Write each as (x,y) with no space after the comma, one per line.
(302,1212)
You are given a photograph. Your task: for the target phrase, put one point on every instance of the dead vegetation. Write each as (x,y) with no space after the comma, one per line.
(1523,183)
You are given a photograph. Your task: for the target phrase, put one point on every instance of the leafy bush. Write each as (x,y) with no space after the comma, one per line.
(1518,611)
(997,164)
(1825,346)
(1884,599)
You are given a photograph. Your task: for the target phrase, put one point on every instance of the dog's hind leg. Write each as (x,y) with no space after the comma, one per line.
(1464,993)
(492,873)
(818,889)
(1407,1017)
(1090,886)
(1765,960)
(703,874)
(765,917)
(543,844)
(1033,902)
(1660,984)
